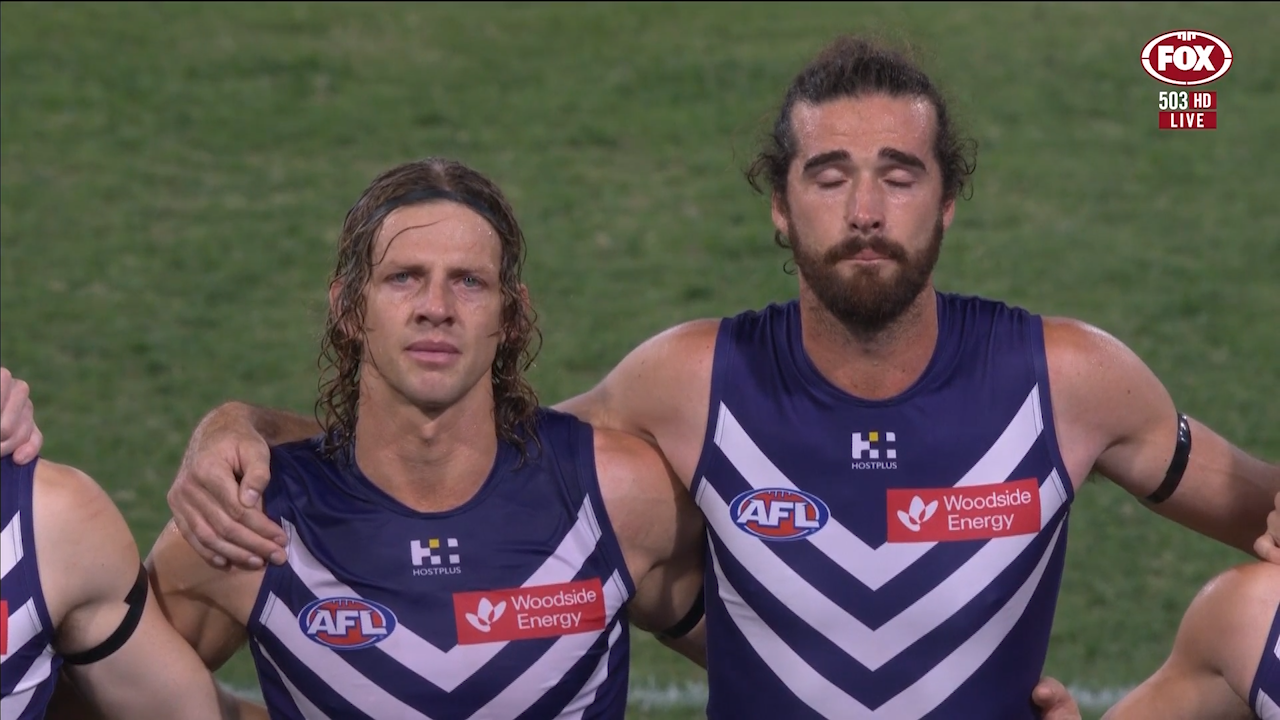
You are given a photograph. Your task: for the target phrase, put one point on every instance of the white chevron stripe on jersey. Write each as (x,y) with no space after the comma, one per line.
(872,648)
(1276,649)
(876,566)
(578,708)
(24,624)
(281,620)
(12,706)
(917,699)
(11,544)
(305,706)
(548,669)
(1266,708)
(449,669)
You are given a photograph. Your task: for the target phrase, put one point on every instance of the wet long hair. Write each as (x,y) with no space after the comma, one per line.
(342,347)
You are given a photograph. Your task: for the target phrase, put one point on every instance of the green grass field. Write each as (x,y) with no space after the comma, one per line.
(174,177)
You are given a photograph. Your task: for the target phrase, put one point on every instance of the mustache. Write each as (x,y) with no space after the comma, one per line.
(855,244)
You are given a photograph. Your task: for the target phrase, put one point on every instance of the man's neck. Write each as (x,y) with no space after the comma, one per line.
(871,366)
(429,461)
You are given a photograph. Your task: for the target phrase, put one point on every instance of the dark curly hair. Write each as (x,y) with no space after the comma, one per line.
(851,66)
(342,347)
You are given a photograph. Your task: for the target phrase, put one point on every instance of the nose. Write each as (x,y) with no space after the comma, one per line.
(865,209)
(435,303)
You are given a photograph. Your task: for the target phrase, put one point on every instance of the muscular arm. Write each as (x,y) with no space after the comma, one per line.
(661,533)
(1215,654)
(88,563)
(208,607)
(1117,418)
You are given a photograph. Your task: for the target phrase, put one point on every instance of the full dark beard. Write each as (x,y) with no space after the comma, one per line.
(864,302)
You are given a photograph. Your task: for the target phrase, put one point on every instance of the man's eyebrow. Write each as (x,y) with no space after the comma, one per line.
(902,157)
(826,158)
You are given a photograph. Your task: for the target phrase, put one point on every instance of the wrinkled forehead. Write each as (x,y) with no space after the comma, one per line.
(440,228)
(864,126)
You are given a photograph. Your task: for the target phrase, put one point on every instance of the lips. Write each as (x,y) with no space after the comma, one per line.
(433,346)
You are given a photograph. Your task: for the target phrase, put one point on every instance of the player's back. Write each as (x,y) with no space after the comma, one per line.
(881,559)
(28,664)
(509,606)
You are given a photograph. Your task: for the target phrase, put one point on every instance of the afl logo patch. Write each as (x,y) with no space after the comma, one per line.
(779,513)
(344,623)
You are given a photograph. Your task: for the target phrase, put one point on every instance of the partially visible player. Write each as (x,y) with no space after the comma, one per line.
(74,599)
(1225,662)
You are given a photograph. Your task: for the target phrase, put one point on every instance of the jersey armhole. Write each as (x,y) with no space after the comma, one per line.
(31,571)
(583,472)
(721,360)
(1039,360)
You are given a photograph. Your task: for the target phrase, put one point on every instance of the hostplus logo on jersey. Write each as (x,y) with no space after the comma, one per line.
(529,612)
(875,451)
(346,623)
(433,559)
(779,513)
(978,512)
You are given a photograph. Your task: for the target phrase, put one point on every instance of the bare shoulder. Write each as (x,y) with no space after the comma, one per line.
(1103,393)
(668,360)
(660,391)
(1251,592)
(692,336)
(1229,619)
(1075,345)
(80,532)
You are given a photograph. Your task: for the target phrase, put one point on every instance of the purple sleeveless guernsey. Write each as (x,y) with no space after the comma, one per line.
(28,664)
(891,559)
(1264,696)
(510,606)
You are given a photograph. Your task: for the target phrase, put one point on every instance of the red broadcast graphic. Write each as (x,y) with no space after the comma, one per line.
(1187,59)
(979,512)
(529,612)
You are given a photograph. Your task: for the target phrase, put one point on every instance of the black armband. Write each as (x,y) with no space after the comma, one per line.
(688,622)
(1177,466)
(136,600)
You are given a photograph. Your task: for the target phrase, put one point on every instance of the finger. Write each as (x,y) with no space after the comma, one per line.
(16,401)
(219,509)
(205,518)
(255,466)
(31,448)
(246,528)
(210,523)
(263,533)
(14,438)
(193,539)
(1266,548)
(247,534)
